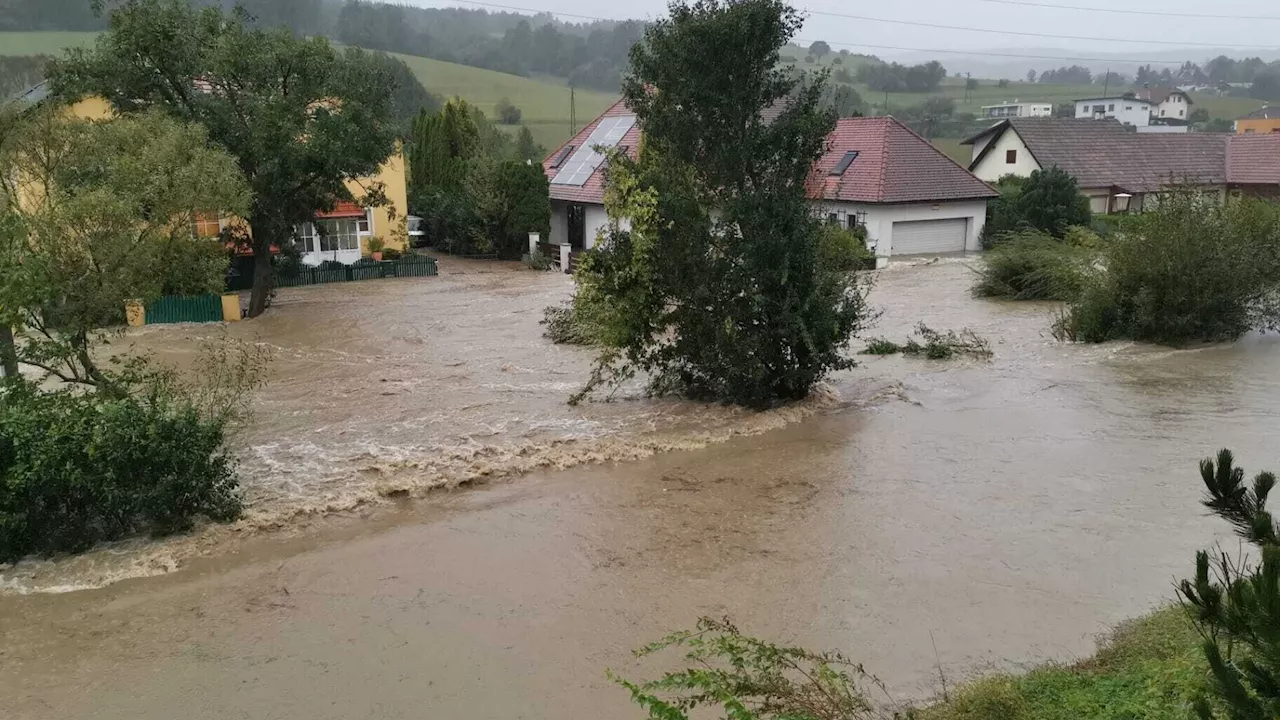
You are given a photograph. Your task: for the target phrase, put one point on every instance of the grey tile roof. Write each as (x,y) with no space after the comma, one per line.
(1264,113)
(1102,153)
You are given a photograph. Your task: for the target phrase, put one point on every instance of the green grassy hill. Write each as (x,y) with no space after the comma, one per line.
(42,43)
(544,101)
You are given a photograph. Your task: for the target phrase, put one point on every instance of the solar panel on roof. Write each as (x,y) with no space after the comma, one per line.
(558,160)
(844,163)
(607,133)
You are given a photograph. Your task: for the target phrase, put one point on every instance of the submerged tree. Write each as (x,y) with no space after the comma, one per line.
(300,118)
(1236,607)
(718,289)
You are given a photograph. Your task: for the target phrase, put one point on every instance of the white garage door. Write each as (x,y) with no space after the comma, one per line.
(929,236)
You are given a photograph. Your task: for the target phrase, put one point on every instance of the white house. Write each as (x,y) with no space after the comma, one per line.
(1113,166)
(876,174)
(1018,109)
(1172,107)
(1128,110)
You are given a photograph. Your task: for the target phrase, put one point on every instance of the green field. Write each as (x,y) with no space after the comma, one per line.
(544,102)
(42,43)
(954,150)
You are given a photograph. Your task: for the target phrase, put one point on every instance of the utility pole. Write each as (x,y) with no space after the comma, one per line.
(886,102)
(966,87)
(1106,83)
(573,112)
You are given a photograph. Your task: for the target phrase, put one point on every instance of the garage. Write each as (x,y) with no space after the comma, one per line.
(917,237)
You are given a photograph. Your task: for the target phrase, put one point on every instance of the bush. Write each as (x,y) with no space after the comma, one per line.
(1192,269)
(537,261)
(508,114)
(1032,265)
(392,254)
(1048,201)
(844,250)
(566,326)
(78,469)
(933,344)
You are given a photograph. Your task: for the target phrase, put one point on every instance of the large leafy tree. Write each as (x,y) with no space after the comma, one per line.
(718,289)
(98,214)
(300,118)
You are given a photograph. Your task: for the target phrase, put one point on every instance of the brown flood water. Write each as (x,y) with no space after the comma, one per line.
(1007,510)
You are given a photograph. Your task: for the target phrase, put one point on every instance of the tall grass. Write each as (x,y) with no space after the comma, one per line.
(1032,265)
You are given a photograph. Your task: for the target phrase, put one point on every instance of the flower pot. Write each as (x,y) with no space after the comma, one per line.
(376,255)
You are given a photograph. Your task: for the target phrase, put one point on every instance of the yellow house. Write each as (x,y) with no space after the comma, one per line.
(1263,120)
(341,235)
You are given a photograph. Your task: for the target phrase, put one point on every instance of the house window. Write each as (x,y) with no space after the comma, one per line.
(330,235)
(833,219)
(1180,112)
(859,219)
(366,222)
(1128,107)
(1111,107)
(206,225)
(1010,157)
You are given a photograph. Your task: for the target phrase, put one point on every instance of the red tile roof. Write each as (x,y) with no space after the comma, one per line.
(1253,159)
(894,165)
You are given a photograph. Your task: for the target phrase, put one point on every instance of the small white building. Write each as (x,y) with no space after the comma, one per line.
(1172,107)
(876,175)
(1128,110)
(1017,109)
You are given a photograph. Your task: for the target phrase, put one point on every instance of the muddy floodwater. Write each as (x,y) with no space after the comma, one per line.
(433,533)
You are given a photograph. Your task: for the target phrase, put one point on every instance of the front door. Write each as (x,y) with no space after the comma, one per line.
(577,219)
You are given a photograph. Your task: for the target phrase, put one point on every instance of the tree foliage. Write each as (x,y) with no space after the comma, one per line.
(893,77)
(718,289)
(508,114)
(100,214)
(1051,201)
(1236,606)
(300,118)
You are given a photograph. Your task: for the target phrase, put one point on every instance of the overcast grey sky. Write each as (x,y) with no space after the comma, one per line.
(1131,30)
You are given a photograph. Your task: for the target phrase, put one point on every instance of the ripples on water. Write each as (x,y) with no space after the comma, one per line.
(391,389)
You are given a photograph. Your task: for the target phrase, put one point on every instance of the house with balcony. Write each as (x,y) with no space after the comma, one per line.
(1128,110)
(1017,109)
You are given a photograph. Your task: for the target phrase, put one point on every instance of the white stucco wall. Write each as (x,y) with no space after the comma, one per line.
(993,166)
(559,223)
(1127,110)
(597,220)
(880,219)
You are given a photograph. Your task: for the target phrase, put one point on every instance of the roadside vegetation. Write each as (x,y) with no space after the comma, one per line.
(1214,654)
(95,447)
(720,289)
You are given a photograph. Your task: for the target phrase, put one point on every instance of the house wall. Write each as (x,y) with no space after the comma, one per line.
(881,217)
(559,223)
(1175,107)
(1127,110)
(597,220)
(387,220)
(1250,126)
(994,166)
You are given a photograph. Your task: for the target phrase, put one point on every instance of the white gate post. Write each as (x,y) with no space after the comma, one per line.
(564,257)
(533,243)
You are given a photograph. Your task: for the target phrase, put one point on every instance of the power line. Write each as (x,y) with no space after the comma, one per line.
(915,23)
(1016,56)
(1162,13)
(984,53)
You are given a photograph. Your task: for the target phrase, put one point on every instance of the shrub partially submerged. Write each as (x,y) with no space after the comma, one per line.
(1193,269)
(566,326)
(933,344)
(81,468)
(1033,265)
(844,250)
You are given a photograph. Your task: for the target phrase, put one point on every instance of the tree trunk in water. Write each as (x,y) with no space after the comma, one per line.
(263,278)
(8,354)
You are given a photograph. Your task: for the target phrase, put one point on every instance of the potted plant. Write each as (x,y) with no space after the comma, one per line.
(376,244)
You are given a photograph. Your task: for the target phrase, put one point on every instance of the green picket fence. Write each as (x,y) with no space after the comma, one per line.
(176,309)
(407,267)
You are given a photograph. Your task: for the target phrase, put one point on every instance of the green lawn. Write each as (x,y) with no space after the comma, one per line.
(954,150)
(1151,667)
(42,43)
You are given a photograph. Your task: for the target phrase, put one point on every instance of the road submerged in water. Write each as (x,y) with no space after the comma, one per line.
(1007,510)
